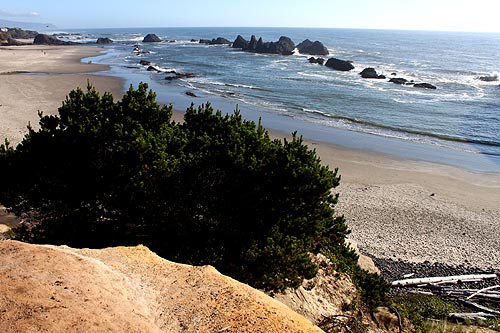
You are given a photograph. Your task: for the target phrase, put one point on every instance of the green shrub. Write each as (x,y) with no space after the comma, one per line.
(214,189)
(372,287)
(418,308)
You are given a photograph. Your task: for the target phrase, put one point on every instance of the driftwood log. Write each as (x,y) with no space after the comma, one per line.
(443,280)
(483,308)
(470,316)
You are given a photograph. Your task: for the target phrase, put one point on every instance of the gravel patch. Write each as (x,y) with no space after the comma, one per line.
(406,222)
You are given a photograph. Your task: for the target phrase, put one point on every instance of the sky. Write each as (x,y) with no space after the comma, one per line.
(442,15)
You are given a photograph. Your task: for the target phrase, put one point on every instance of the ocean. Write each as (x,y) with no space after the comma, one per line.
(457,124)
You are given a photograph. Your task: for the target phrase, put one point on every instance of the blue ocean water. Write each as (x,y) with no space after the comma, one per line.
(462,114)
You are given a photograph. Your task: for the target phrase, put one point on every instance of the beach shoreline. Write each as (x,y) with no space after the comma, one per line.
(396,208)
(38,78)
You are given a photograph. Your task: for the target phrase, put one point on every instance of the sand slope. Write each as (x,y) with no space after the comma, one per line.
(60,289)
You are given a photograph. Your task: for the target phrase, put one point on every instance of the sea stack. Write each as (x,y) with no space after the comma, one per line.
(151,38)
(312,48)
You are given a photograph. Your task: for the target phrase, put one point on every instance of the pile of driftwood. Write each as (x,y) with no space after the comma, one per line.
(486,301)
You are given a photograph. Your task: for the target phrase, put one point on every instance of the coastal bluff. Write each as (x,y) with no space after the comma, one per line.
(128,289)
(45,288)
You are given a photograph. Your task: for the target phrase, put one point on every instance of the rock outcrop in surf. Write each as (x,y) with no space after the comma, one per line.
(371,73)
(283,46)
(151,38)
(312,48)
(42,39)
(340,65)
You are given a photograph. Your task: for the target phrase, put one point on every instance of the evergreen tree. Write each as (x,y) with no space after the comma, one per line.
(215,189)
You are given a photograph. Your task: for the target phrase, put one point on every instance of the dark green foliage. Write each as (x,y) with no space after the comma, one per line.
(418,308)
(212,190)
(372,287)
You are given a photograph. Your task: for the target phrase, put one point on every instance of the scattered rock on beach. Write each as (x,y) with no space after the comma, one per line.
(312,48)
(371,73)
(151,38)
(340,65)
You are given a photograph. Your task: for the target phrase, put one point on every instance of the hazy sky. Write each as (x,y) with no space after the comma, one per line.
(455,15)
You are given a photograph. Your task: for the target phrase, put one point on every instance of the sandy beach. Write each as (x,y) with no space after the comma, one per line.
(38,78)
(395,208)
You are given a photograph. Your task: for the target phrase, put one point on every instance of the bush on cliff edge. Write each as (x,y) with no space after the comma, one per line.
(214,189)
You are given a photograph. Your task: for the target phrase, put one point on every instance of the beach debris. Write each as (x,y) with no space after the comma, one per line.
(437,280)
(483,308)
(488,296)
(470,316)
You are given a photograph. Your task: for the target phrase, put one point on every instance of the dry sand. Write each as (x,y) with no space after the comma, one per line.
(418,211)
(396,208)
(38,78)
